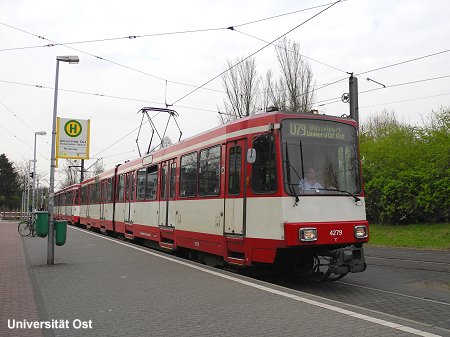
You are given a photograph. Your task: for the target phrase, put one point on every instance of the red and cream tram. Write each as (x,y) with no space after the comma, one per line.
(67,204)
(271,189)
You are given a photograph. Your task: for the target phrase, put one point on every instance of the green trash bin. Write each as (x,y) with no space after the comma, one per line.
(61,232)
(41,223)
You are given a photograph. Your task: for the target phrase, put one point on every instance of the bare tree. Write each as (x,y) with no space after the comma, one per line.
(98,167)
(293,91)
(22,171)
(275,93)
(380,125)
(94,169)
(297,77)
(70,174)
(241,84)
(166,142)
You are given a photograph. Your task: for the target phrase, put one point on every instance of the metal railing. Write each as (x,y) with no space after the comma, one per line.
(14,215)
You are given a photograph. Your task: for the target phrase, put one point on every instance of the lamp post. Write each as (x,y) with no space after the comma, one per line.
(33,198)
(23,197)
(51,199)
(28,204)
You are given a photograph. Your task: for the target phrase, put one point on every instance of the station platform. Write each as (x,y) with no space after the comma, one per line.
(101,286)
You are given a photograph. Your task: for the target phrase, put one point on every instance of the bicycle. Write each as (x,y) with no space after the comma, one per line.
(27,227)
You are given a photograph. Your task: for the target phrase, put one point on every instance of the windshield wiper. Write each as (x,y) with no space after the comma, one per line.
(336,190)
(288,176)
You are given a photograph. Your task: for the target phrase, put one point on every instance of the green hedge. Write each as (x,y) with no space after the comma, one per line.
(406,169)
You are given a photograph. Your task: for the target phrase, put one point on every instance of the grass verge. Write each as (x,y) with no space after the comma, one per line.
(425,236)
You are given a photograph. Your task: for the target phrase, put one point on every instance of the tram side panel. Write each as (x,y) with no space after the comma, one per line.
(146,219)
(264,228)
(199,224)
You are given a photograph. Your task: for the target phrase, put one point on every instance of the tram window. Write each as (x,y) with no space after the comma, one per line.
(133,185)
(93,191)
(84,195)
(151,182)
(120,187)
(188,175)
(88,191)
(347,163)
(173,175)
(97,192)
(109,191)
(91,194)
(264,169)
(129,186)
(163,181)
(140,192)
(209,172)
(90,197)
(234,169)
(103,186)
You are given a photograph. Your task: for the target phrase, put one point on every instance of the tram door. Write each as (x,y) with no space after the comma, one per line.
(167,193)
(234,222)
(70,201)
(103,200)
(87,191)
(129,197)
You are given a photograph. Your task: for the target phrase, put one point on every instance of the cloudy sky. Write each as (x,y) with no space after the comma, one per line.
(117,75)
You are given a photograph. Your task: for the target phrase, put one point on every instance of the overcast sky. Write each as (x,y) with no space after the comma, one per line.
(351,36)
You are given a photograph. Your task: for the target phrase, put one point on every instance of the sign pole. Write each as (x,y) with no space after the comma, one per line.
(51,192)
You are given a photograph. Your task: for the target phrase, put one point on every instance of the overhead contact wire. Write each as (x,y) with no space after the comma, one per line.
(254,53)
(103,95)
(280,47)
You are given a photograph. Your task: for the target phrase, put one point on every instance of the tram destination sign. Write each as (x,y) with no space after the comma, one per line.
(72,138)
(315,129)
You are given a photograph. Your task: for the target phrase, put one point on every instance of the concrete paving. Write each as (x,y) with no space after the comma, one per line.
(101,287)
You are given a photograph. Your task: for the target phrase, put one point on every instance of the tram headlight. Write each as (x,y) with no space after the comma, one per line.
(308,234)
(361,232)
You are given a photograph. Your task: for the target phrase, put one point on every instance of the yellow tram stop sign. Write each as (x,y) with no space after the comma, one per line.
(72,138)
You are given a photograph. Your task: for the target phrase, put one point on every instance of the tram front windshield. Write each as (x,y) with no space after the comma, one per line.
(319,157)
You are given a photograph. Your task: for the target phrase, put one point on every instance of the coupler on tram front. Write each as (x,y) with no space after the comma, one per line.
(319,264)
